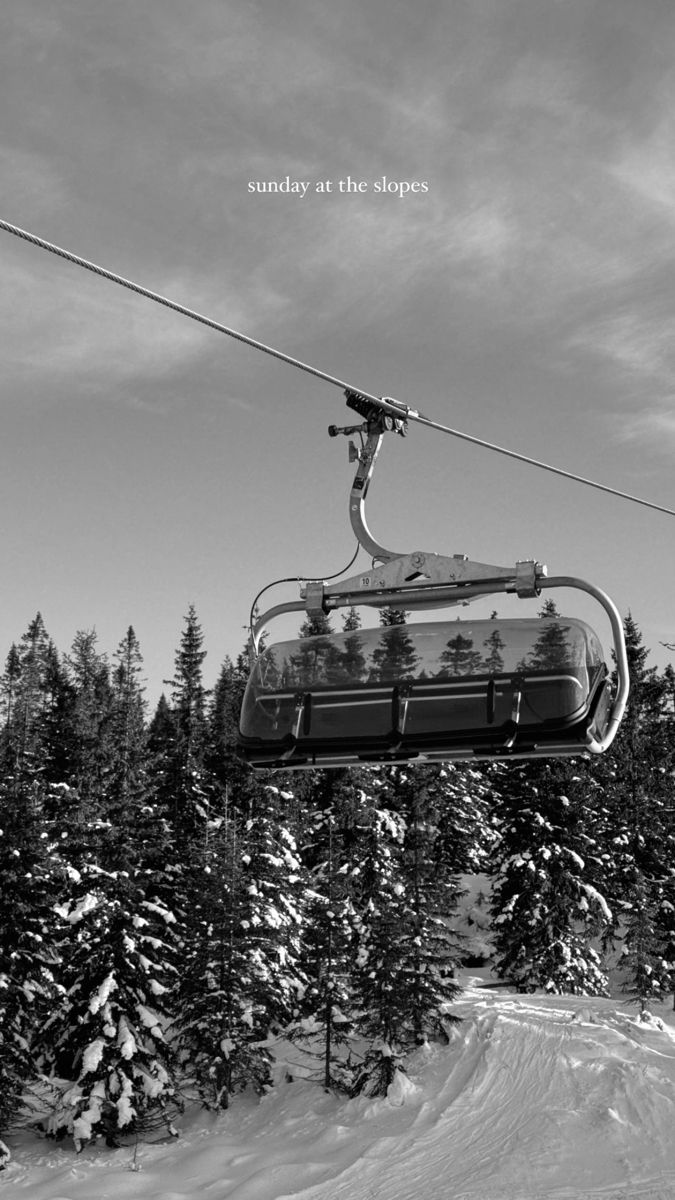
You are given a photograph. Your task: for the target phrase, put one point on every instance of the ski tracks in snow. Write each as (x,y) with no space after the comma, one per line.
(536,1098)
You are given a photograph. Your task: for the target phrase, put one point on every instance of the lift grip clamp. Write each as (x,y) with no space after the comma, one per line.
(379,421)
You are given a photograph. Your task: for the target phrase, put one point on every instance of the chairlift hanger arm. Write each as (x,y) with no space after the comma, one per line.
(397,570)
(378,421)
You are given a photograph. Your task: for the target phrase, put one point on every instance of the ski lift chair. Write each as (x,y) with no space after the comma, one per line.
(434,691)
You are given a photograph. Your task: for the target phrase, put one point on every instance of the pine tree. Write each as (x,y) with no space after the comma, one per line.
(190,787)
(212,1022)
(548,902)
(32,691)
(403,975)
(649,973)
(126,800)
(429,947)
(29,872)
(636,777)
(223,721)
(377,968)
(328,842)
(89,718)
(109,1035)
(115,940)
(28,954)
(241,977)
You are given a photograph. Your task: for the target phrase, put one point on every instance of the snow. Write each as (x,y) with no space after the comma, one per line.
(85,905)
(594,894)
(100,998)
(92,1056)
(536,1098)
(125,1039)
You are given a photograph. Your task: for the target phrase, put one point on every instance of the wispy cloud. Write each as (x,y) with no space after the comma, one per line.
(654,427)
(636,343)
(646,166)
(82,329)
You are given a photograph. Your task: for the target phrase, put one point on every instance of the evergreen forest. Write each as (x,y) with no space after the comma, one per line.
(167,915)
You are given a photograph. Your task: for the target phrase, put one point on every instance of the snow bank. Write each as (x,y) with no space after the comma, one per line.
(536,1098)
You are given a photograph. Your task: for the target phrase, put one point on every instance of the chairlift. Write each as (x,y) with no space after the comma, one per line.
(430,691)
(332,703)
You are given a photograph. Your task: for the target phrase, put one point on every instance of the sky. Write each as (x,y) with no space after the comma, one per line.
(524,296)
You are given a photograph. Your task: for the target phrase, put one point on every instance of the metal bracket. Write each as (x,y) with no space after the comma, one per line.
(423,580)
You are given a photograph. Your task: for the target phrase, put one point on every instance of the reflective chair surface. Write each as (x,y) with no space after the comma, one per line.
(434,691)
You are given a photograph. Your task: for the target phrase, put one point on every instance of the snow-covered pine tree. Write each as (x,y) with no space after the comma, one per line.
(109,1036)
(241,977)
(464,815)
(646,957)
(275,885)
(636,777)
(28,955)
(117,939)
(380,966)
(29,874)
(327,848)
(403,977)
(429,948)
(213,1023)
(548,905)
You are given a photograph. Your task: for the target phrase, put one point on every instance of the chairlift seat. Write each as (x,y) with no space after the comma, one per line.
(432,691)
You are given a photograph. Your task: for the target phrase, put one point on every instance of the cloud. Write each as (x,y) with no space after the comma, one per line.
(648,171)
(36,182)
(654,426)
(644,163)
(59,322)
(638,344)
(515,135)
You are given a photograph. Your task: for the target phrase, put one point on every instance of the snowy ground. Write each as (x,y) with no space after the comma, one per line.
(562,1098)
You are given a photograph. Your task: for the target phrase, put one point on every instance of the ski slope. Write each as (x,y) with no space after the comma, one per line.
(536,1098)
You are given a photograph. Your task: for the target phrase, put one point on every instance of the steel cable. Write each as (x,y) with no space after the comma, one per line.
(390,405)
